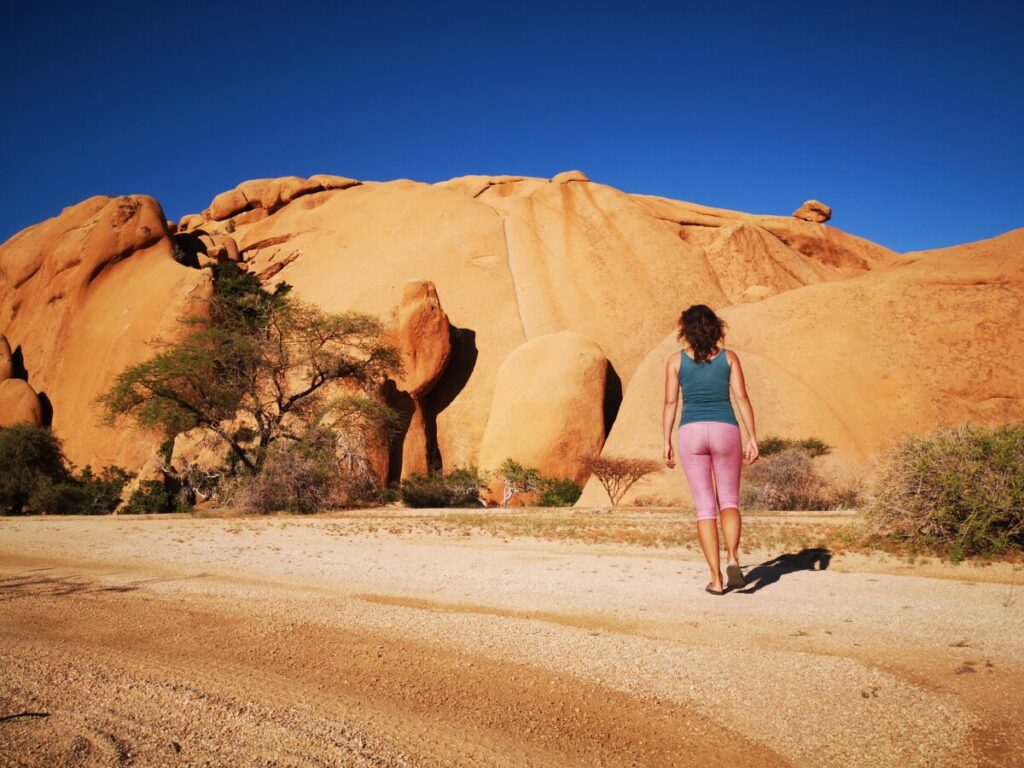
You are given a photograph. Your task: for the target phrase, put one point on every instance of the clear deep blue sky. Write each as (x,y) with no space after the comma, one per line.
(907,118)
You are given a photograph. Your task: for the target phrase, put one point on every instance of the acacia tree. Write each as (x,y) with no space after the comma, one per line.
(617,474)
(266,357)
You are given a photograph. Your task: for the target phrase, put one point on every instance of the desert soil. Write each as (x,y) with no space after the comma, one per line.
(324,641)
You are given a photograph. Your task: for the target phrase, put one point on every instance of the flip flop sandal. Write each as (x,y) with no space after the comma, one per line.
(736,580)
(709,590)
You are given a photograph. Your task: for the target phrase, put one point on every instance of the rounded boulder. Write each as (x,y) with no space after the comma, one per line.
(423,338)
(815,211)
(19,404)
(548,406)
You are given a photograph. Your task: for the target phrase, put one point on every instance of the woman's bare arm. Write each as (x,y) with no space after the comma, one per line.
(669,409)
(738,386)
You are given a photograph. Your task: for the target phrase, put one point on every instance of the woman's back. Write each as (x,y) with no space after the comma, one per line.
(705,389)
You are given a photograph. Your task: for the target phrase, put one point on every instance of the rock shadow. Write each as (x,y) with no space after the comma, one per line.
(403,404)
(768,573)
(46,407)
(187,247)
(18,370)
(22,586)
(456,373)
(612,398)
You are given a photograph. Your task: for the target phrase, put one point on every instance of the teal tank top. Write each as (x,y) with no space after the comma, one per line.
(705,389)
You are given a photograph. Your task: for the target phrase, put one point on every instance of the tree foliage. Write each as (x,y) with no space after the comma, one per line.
(265,356)
(518,479)
(29,455)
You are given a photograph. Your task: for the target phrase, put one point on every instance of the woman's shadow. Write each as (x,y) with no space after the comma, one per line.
(765,574)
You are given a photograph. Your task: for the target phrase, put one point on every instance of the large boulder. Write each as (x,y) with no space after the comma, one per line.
(566,176)
(815,211)
(198,449)
(548,407)
(84,295)
(227,204)
(19,404)
(330,181)
(423,337)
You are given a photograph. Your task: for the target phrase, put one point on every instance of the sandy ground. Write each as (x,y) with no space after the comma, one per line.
(283,641)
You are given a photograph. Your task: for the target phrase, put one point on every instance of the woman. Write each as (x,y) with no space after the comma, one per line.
(709,436)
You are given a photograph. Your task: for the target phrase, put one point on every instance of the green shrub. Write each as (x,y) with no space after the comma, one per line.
(424,491)
(63,498)
(812,446)
(955,492)
(465,485)
(554,491)
(151,497)
(36,476)
(560,492)
(459,488)
(29,455)
(102,492)
(518,479)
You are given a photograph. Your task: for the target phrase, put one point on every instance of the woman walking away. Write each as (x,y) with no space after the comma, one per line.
(709,436)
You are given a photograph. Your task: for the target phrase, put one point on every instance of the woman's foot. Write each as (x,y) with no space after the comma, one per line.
(715,586)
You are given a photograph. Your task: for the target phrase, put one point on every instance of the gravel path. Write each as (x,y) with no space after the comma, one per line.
(283,641)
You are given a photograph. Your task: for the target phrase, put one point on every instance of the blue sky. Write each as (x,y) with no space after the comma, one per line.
(906,118)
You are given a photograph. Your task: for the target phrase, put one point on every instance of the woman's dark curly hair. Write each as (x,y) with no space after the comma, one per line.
(702,329)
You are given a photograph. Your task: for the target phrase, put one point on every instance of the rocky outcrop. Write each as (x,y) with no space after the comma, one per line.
(219,248)
(421,333)
(83,295)
(515,259)
(935,339)
(566,176)
(814,211)
(268,195)
(549,406)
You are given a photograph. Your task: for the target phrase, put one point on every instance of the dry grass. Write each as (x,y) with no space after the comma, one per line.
(628,527)
(657,528)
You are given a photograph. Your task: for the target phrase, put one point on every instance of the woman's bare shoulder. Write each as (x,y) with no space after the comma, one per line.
(673,359)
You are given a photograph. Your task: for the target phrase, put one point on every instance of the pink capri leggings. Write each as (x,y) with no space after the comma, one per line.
(707,445)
